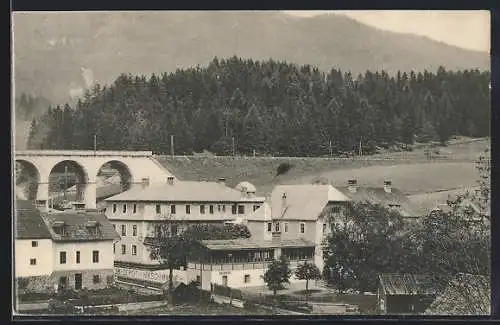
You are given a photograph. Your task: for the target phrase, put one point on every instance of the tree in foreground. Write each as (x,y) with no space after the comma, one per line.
(361,246)
(277,274)
(307,271)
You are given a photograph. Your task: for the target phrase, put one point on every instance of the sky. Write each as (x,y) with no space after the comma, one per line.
(468,29)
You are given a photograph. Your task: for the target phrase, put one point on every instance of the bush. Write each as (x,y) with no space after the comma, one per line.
(283,168)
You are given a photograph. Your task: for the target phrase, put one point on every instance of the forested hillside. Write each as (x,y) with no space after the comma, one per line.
(271,107)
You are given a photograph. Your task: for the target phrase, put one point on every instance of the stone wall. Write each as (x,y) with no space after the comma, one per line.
(43,283)
(106,278)
(158,276)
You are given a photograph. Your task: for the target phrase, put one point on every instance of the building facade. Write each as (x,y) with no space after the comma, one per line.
(241,263)
(299,212)
(66,250)
(139,214)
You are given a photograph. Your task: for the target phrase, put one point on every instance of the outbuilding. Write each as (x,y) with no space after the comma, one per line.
(404,293)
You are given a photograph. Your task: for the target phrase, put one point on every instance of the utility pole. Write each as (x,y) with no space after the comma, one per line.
(234,151)
(360,149)
(95,144)
(331,150)
(172,145)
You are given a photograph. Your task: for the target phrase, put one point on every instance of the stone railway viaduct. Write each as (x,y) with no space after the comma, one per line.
(137,167)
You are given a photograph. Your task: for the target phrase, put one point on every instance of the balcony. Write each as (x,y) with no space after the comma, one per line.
(241,265)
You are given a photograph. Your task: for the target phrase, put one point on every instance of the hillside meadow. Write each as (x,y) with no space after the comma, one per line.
(411,172)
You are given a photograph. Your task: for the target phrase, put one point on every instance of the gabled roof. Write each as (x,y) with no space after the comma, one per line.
(303,202)
(184,191)
(76,226)
(406,284)
(378,195)
(466,294)
(249,243)
(29,222)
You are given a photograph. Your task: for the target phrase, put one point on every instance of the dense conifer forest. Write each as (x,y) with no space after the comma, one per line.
(270,107)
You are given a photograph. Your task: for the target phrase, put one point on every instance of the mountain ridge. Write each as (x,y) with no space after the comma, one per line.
(52,49)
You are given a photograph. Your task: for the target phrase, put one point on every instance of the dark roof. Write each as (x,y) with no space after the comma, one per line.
(76,226)
(249,243)
(466,294)
(29,223)
(406,284)
(378,195)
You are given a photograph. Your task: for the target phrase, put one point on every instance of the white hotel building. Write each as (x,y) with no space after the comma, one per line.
(137,213)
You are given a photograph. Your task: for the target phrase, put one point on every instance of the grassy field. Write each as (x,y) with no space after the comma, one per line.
(411,172)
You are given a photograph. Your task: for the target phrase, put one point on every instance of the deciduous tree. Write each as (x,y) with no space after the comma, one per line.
(277,274)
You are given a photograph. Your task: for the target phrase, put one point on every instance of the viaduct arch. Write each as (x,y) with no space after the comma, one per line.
(135,168)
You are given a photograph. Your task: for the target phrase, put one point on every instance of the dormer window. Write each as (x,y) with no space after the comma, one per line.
(59,227)
(92,226)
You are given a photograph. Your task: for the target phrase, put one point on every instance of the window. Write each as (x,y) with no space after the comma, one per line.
(233,209)
(286,226)
(172,209)
(34,243)
(134,230)
(256,207)
(241,209)
(202,209)
(247,278)
(77,257)
(174,229)
(62,257)
(158,208)
(95,256)
(324,227)
(114,248)
(32,261)
(302,227)
(188,209)
(269,226)
(198,279)
(114,226)
(96,279)
(223,208)
(336,209)
(134,250)
(134,208)
(219,208)
(124,208)
(124,249)
(277,227)
(211,209)
(114,207)
(124,230)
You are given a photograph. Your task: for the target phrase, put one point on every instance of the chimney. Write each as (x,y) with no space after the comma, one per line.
(145,182)
(243,191)
(388,186)
(170,180)
(283,201)
(221,181)
(352,185)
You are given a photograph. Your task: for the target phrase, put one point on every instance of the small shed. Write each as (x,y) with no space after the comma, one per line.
(404,293)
